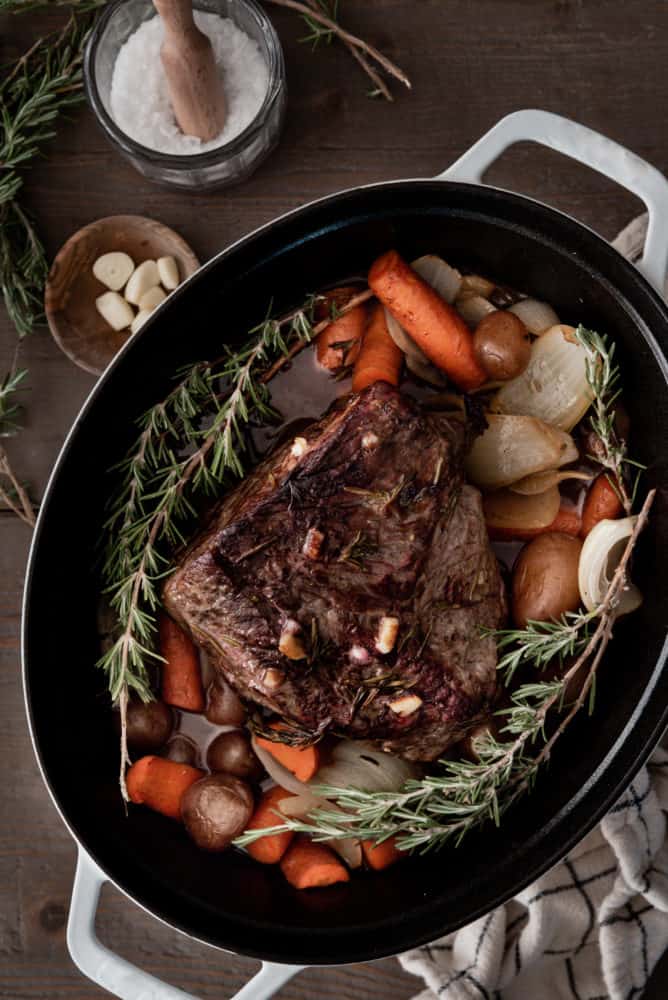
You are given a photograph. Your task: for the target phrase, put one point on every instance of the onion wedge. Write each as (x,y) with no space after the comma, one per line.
(538,317)
(553,386)
(601,551)
(512,511)
(538,482)
(445,280)
(473,308)
(514,447)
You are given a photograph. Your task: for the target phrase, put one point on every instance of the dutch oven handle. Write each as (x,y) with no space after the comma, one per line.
(119,976)
(592,149)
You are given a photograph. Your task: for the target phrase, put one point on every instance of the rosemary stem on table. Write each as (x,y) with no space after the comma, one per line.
(331,26)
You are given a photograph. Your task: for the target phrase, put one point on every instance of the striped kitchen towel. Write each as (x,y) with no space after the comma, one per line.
(591,928)
(595,925)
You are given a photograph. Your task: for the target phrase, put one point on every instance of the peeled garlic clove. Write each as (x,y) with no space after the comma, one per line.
(144,277)
(168,270)
(113,269)
(152,298)
(114,309)
(139,320)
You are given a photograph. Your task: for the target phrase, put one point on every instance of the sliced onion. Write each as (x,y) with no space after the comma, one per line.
(426,371)
(513,447)
(473,308)
(349,849)
(359,764)
(505,509)
(446,280)
(536,316)
(601,552)
(475,284)
(540,481)
(299,806)
(280,774)
(553,386)
(402,340)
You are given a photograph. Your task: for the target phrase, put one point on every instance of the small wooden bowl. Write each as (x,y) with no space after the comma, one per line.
(71,287)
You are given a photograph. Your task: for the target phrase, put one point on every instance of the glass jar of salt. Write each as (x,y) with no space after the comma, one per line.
(127,89)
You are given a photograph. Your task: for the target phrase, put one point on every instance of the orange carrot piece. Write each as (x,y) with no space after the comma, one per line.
(379,359)
(379,856)
(307,865)
(181,674)
(339,343)
(270,849)
(567,520)
(303,762)
(428,319)
(602,502)
(159,784)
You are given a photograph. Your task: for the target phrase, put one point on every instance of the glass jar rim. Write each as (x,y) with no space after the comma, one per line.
(190,161)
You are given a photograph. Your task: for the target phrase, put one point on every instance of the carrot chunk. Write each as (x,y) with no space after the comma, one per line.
(601,503)
(379,359)
(379,856)
(428,319)
(303,762)
(270,849)
(181,675)
(307,865)
(159,784)
(339,343)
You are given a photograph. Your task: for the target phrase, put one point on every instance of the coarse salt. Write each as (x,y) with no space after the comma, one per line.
(140,103)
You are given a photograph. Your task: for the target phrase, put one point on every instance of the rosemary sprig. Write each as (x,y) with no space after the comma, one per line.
(428,812)
(604,381)
(9,409)
(189,446)
(321,18)
(43,84)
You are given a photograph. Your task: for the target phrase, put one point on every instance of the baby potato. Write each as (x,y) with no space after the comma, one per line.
(545,578)
(232,753)
(149,725)
(223,705)
(502,345)
(182,750)
(216,809)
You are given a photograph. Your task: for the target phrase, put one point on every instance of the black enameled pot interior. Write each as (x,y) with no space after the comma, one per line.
(227,899)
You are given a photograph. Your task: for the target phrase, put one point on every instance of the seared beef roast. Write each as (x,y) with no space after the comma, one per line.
(343,584)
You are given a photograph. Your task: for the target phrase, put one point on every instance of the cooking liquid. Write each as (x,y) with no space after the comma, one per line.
(301,393)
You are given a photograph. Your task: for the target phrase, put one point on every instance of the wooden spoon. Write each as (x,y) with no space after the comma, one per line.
(195,88)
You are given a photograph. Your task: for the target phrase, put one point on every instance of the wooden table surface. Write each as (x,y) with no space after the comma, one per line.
(601,62)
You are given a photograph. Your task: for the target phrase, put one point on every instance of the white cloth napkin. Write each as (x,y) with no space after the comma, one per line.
(594,926)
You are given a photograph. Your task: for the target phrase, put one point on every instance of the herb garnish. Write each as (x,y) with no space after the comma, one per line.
(190,446)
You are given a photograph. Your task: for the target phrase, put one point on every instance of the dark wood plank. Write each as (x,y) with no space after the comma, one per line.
(602,63)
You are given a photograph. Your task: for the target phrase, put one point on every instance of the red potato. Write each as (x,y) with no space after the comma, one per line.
(601,503)
(428,319)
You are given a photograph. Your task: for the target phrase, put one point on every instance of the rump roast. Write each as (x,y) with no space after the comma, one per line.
(343,584)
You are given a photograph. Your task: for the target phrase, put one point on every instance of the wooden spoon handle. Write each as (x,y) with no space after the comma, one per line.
(194,84)
(177,16)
